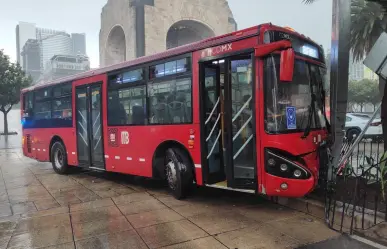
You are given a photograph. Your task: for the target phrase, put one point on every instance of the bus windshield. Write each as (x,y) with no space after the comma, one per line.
(293,106)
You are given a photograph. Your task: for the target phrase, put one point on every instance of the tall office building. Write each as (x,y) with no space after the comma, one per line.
(54,44)
(358,71)
(24,32)
(78,43)
(31,58)
(50,43)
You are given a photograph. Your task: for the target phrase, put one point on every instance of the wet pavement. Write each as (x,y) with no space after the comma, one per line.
(14,125)
(40,209)
(341,242)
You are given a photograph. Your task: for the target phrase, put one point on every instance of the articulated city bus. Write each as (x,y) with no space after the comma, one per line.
(243,111)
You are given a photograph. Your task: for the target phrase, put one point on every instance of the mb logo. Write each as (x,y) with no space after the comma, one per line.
(124,137)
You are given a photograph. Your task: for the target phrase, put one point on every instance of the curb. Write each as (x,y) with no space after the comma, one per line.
(317,209)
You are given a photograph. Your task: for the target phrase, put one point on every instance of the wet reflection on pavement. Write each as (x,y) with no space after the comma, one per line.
(40,209)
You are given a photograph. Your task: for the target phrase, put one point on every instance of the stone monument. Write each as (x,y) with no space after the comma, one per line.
(134,28)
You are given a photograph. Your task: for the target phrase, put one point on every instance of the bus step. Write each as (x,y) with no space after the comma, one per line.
(223,185)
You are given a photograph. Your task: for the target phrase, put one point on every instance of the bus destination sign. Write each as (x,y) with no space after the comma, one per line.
(300,45)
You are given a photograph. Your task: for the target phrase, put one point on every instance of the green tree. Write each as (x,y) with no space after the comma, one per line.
(12,80)
(372,93)
(363,92)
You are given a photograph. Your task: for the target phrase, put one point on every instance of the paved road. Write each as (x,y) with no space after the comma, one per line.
(40,209)
(341,242)
(14,124)
(13,121)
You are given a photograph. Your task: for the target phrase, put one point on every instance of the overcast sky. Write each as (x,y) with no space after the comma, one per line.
(83,16)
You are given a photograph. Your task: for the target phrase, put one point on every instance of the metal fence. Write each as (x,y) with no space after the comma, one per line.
(356,188)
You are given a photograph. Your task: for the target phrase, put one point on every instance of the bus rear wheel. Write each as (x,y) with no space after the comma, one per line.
(59,158)
(178,171)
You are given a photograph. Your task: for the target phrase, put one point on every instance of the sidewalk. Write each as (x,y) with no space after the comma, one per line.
(341,242)
(40,209)
(10,141)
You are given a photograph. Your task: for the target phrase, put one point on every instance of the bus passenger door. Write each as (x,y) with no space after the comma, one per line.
(212,124)
(89,126)
(227,122)
(239,99)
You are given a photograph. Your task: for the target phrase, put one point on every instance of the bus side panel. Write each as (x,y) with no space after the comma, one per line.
(196,155)
(259,121)
(26,142)
(41,139)
(130,149)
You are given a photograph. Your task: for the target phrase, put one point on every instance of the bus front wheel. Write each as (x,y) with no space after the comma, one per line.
(178,170)
(59,158)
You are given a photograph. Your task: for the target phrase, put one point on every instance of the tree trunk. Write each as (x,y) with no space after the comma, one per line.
(5,114)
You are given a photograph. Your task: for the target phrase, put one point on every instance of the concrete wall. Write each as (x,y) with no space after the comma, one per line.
(117,13)
(159,16)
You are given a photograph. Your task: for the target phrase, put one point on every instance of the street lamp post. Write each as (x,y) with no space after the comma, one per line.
(341,34)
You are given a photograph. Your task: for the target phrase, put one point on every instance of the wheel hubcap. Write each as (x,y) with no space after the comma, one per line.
(171,175)
(59,159)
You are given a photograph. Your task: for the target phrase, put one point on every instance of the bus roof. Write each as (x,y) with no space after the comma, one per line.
(203,44)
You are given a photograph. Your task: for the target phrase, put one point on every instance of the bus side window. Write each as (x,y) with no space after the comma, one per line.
(160,111)
(177,109)
(138,115)
(28,104)
(124,106)
(171,101)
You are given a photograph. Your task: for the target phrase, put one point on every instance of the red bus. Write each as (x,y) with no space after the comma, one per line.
(242,111)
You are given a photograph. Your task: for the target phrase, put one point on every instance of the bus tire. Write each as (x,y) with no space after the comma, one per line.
(59,158)
(178,171)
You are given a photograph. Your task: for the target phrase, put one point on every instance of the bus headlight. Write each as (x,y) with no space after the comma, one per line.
(297,173)
(281,165)
(271,162)
(284,167)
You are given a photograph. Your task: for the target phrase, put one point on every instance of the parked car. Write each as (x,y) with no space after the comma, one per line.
(361,115)
(355,124)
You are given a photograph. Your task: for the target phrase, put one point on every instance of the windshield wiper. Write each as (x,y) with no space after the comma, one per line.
(311,114)
(327,124)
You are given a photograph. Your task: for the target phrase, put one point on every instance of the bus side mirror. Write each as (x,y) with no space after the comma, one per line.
(287,65)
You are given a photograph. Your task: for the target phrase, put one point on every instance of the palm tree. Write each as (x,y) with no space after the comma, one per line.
(368,22)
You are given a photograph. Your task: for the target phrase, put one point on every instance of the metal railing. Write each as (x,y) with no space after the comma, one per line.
(355,199)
